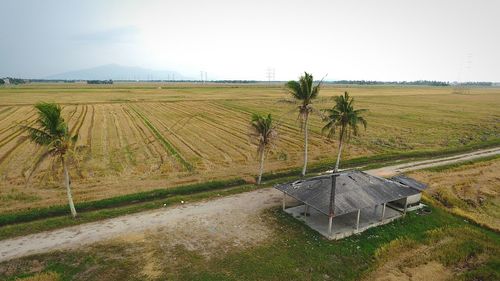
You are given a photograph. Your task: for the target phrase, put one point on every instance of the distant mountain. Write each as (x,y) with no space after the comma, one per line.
(118,72)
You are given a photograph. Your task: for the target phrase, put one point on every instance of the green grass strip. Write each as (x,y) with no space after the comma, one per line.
(37,226)
(61,210)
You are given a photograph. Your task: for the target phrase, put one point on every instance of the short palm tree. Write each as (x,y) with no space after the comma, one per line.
(344,117)
(304,91)
(52,132)
(263,134)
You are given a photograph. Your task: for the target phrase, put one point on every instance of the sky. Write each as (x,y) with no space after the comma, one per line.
(386,40)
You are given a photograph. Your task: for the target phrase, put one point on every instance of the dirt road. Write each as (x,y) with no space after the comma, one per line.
(412,166)
(224,217)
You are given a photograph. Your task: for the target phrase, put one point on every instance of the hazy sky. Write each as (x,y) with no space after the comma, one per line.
(234,39)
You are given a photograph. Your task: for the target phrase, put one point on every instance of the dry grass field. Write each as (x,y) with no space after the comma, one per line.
(471,191)
(137,137)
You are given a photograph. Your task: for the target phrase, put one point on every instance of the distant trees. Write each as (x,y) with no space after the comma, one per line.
(52,132)
(345,118)
(369,82)
(100,81)
(1,81)
(482,84)
(13,81)
(304,92)
(263,134)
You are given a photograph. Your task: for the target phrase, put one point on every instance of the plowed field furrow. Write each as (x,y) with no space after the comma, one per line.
(81,120)
(207,117)
(168,146)
(124,144)
(285,138)
(225,148)
(152,144)
(99,143)
(234,128)
(5,114)
(90,131)
(142,139)
(134,146)
(115,148)
(290,126)
(72,111)
(10,147)
(14,164)
(14,120)
(290,137)
(16,132)
(5,110)
(179,141)
(241,144)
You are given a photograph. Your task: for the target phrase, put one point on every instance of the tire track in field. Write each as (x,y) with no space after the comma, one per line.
(168,146)
(179,138)
(91,127)
(285,136)
(20,141)
(15,134)
(143,136)
(13,123)
(6,109)
(133,143)
(289,131)
(113,141)
(80,121)
(227,142)
(72,114)
(195,150)
(123,143)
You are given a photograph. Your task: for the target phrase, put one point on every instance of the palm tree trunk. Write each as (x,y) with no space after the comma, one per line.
(68,188)
(261,170)
(342,132)
(306,132)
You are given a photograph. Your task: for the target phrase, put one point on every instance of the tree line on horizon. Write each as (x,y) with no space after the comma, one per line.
(16,81)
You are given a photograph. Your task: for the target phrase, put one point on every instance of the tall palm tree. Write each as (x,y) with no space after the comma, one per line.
(52,132)
(263,134)
(346,118)
(304,91)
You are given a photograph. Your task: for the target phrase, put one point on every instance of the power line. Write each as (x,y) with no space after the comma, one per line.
(270,74)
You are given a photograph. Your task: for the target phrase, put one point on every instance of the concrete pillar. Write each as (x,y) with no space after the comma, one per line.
(284,200)
(357,221)
(305,211)
(383,212)
(330,222)
(406,206)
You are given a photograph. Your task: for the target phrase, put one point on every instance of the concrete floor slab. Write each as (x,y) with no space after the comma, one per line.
(345,225)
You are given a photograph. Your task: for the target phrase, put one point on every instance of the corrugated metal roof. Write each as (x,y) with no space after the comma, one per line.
(409,182)
(354,190)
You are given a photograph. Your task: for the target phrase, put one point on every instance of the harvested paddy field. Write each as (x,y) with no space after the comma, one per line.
(138,137)
(246,237)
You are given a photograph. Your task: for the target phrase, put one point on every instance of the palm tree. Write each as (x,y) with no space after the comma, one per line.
(52,132)
(304,91)
(346,118)
(263,134)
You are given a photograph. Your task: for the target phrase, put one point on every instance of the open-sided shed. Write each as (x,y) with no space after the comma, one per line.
(346,193)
